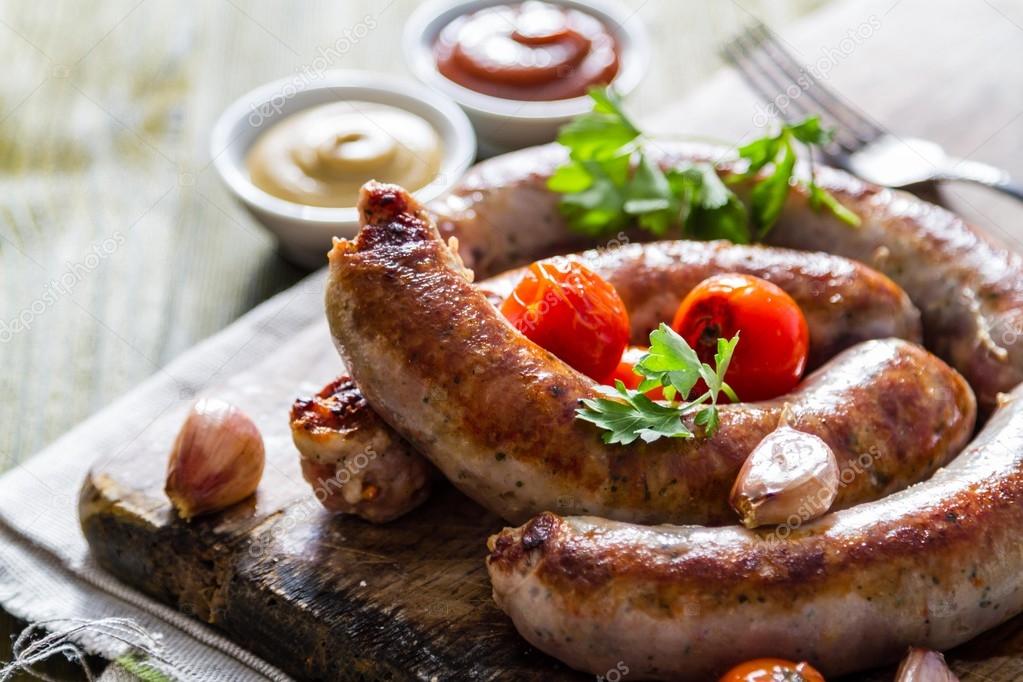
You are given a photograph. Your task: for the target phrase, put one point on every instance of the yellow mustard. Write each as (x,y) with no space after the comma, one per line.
(322,156)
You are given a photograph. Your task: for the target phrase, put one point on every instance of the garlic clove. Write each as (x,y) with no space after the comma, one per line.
(924,665)
(790,477)
(217,460)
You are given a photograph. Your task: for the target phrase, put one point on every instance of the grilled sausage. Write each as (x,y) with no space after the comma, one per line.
(496,413)
(353,461)
(844,303)
(968,289)
(933,566)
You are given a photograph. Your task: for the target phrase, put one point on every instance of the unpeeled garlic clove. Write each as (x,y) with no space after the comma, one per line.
(924,665)
(217,459)
(790,477)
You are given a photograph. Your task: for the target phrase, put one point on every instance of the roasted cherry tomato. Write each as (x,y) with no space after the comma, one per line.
(773,338)
(568,309)
(772,670)
(625,373)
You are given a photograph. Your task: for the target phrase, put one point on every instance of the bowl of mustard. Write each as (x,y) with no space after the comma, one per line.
(296,154)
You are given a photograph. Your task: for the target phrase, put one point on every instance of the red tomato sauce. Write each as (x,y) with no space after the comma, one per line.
(531,51)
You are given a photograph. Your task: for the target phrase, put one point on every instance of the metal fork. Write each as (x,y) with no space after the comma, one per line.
(860,145)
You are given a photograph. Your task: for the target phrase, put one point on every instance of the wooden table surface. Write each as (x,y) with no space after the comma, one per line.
(119,248)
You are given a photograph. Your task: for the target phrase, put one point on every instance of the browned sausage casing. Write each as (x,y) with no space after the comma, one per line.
(496,413)
(354,462)
(968,289)
(844,303)
(932,566)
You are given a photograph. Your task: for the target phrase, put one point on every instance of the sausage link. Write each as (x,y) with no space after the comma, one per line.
(844,303)
(354,462)
(496,413)
(969,289)
(933,566)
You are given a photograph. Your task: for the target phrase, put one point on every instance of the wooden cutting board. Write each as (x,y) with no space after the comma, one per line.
(327,597)
(320,596)
(338,598)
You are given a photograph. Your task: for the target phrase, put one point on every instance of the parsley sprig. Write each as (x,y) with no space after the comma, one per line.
(770,191)
(610,181)
(673,365)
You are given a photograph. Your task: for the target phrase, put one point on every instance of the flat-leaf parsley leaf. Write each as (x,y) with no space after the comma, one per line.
(610,181)
(671,364)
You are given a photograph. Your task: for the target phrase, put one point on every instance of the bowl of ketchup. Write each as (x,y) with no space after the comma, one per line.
(521,69)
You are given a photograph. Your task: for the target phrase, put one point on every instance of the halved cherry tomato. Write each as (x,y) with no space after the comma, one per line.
(571,311)
(772,670)
(627,376)
(773,337)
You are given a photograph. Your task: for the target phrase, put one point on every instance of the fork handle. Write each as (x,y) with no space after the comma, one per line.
(982,174)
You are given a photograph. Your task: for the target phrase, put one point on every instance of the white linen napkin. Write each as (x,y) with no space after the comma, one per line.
(45,569)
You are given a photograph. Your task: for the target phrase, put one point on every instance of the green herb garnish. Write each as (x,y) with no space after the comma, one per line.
(610,182)
(771,190)
(674,366)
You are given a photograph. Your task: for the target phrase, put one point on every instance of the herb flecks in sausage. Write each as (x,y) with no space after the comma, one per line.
(397,285)
(863,577)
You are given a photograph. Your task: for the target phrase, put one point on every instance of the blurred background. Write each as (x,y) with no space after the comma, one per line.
(105,116)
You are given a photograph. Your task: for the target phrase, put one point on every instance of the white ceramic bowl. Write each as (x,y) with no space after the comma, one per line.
(505,124)
(304,232)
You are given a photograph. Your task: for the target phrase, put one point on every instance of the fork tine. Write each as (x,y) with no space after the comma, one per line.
(845,139)
(747,46)
(856,121)
(743,54)
(752,75)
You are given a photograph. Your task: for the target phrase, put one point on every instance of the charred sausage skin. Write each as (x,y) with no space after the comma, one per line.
(354,462)
(933,565)
(968,288)
(496,413)
(844,303)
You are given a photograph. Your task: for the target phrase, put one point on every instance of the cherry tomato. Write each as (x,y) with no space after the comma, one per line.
(773,337)
(772,670)
(574,313)
(625,373)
